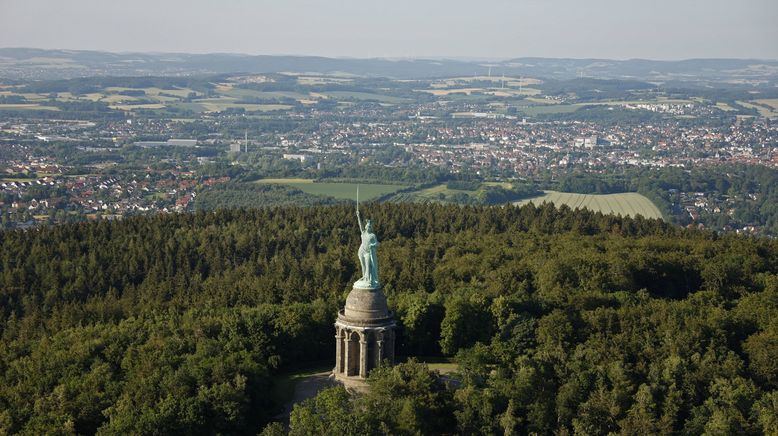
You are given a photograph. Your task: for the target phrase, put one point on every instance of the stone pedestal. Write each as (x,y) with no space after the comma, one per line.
(364,334)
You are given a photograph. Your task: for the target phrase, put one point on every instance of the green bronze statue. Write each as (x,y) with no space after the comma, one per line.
(368,256)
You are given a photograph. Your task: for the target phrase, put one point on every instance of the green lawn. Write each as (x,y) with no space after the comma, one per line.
(628,203)
(343,191)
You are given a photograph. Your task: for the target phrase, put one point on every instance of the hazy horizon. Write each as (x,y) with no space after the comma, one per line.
(496,29)
(430,58)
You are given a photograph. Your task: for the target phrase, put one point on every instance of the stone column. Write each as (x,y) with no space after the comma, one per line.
(362,357)
(379,352)
(346,346)
(338,351)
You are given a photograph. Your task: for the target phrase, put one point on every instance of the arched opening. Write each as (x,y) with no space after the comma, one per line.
(371,351)
(389,344)
(353,354)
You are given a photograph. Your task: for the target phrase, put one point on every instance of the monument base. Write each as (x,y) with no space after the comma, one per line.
(354,384)
(364,334)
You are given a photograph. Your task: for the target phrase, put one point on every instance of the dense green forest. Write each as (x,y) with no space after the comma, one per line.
(561,321)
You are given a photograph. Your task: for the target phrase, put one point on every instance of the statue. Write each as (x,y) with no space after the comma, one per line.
(368,255)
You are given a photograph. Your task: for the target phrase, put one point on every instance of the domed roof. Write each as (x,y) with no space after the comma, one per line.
(366,304)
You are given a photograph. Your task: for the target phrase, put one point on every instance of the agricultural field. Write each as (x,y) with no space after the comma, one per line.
(497,79)
(241,93)
(225,96)
(443,92)
(765,109)
(461,88)
(338,95)
(772,102)
(26,106)
(498,92)
(221,104)
(627,204)
(341,191)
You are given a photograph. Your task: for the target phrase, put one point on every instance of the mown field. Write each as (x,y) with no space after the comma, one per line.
(626,204)
(344,191)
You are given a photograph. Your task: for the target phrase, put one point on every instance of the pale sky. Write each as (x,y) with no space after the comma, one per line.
(615,29)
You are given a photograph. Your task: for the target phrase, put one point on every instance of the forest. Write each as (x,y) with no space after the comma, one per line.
(561,321)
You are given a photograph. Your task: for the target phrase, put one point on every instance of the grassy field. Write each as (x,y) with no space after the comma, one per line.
(250,93)
(227,97)
(129,107)
(27,106)
(338,95)
(342,191)
(442,92)
(498,92)
(629,203)
(443,194)
(218,105)
(763,111)
(772,102)
(509,80)
(435,192)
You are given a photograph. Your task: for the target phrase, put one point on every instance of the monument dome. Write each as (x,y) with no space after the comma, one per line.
(366,305)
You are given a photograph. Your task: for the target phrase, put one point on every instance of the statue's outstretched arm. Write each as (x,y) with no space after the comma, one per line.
(359,220)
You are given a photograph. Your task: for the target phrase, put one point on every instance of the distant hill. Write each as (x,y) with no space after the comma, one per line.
(28,63)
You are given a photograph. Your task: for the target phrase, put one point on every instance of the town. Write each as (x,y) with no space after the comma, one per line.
(128,151)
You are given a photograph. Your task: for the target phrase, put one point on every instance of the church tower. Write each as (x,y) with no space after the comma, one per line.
(364,330)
